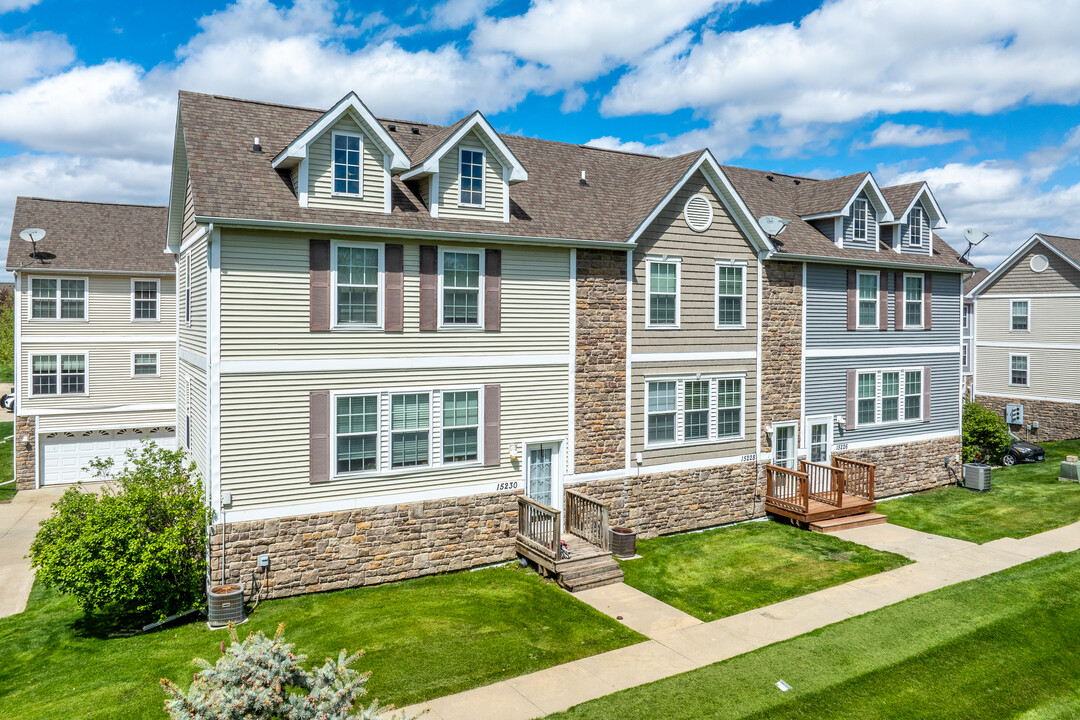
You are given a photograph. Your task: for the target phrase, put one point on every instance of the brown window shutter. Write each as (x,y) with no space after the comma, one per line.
(394,292)
(898,300)
(319,310)
(852,407)
(429,287)
(883,300)
(928,302)
(852,299)
(319,436)
(492,424)
(493,289)
(926,393)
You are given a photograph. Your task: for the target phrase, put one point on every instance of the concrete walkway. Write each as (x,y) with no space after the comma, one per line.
(679,642)
(19,521)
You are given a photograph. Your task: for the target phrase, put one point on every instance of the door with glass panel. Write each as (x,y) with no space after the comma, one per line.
(817,440)
(784,448)
(543,481)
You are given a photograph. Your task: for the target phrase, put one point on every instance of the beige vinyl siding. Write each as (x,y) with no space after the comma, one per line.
(253,420)
(266,295)
(1051,320)
(321,171)
(162,419)
(670,235)
(1051,373)
(199,415)
(193,338)
(683,453)
(450,182)
(1021,280)
(108,309)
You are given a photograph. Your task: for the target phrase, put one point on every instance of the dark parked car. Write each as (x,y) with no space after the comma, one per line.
(1022,451)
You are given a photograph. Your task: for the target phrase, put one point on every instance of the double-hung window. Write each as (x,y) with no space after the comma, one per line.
(693,410)
(460,278)
(348,164)
(889,396)
(410,430)
(867,398)
(357,422)
(663,293)
(1020,316)
(471,178)
(729,407)
(913,391)
(918,229)
(730,295)
(860,219)
(868,299)
(460,426)
(662,407)
(1018,370)
(144,364)
(144,299)
(58,374)
(357,273)
(58,298)
(913,301)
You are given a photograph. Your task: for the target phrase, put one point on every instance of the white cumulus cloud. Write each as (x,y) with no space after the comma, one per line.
(890,134)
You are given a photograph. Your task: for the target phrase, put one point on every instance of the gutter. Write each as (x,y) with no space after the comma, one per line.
(866,263)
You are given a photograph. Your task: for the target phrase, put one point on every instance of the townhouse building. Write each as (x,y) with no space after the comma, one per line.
(967,353)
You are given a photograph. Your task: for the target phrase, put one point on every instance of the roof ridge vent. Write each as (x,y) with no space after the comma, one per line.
(255,146)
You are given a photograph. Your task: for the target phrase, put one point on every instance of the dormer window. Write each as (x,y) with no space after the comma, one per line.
(471,176)
(348,165)
(860,220)
(918,229)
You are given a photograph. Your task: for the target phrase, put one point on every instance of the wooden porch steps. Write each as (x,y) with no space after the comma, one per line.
(847,523)
(591,573)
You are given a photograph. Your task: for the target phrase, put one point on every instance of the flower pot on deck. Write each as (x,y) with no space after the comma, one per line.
(623,542)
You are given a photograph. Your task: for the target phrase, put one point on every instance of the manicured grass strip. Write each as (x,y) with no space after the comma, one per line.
(7,462)
(423,638)
(723,572)
(990,648)
(1023,500)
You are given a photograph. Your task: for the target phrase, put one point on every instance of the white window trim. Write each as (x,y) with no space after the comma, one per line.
(480,291)
(794,424)
(859,300)
(1027,371)
(379,435)
(58,278)
(483,177)
(30,373)
(333,146)
(157,363)
(924,230)
(900,398)
(714,437)
(378,324)
(741,265)
(922,301)
(157,300)
(861,205)
(649,262)
(811,421)
(479,390)
(1013,302)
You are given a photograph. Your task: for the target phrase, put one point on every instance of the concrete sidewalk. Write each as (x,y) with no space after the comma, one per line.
(679,642)
(19,521)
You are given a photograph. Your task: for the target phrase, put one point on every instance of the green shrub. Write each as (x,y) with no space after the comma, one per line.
(135,549)
(986,436)
(261,679)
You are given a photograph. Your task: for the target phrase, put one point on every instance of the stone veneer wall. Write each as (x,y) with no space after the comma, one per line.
(25,453)
(368,546)
(1057,420)
(600,372)
(781,345)
(910,467)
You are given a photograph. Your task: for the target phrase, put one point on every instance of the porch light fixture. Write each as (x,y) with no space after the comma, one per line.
(513,451)
(841,422)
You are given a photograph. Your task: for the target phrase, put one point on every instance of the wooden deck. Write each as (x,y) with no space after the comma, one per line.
(577,555)
(817,492)
(817,510)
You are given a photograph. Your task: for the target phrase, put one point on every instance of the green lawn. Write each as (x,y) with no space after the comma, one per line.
(1023,500)
(7,462)
(1003,646)
(722,572)
(423,638)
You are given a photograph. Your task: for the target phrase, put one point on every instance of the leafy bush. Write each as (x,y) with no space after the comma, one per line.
(986,436)
(135,549)
(261,679)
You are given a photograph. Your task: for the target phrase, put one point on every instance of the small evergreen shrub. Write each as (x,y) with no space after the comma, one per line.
(261,679)
(136,549)
(986,436)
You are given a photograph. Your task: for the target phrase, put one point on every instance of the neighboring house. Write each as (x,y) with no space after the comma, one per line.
(389,330)
(95,336)
(967,354)
(1027,319)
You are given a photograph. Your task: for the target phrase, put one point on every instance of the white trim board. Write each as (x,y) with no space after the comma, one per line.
(867,444)
(882,351)
(1073,401)
(652,469)
(192,358)
(420,362)
(1032,346)
(96,339)
(95,410)
(694,356)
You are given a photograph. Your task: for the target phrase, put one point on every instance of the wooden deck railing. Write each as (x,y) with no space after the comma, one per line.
(859,476)
(826,482)
(539,527)
(587,518)
(789,489)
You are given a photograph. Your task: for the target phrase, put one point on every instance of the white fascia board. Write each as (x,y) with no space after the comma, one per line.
(297,149)
(518,173)
(870,263)
(1008,262)
(727,194)
(870,183)
(172,243)
(939,219)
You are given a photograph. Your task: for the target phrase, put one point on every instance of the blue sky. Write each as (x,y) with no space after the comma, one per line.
(977,98)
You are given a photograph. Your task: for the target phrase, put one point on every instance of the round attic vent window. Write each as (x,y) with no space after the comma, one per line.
(698,213)
(1039,263)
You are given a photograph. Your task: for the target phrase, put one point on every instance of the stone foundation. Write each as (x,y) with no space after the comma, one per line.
(1057,420)
(25,452)
(910,467)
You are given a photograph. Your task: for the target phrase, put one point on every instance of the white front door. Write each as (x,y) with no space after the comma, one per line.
(543,478)
(818,438)
(784,448)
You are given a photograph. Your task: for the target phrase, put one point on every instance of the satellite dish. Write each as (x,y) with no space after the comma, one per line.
(32,235)
(772,225)
(974,236)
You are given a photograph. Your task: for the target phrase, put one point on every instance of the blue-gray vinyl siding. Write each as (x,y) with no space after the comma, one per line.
(826,227)
(826,312)
(826,394)
(871,228)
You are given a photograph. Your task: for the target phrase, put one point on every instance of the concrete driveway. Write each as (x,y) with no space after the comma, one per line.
(19,521)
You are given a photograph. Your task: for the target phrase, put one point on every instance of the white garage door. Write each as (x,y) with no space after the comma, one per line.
(66,455)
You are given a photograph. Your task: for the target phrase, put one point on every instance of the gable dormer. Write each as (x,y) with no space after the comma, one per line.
(344,160)
(466,172)
(849,210)
(917,215)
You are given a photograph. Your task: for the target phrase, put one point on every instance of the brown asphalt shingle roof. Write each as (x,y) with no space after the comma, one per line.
(434,139)
(826,196)
(900,196)
(1067,245)
(972,282)
(89,236)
